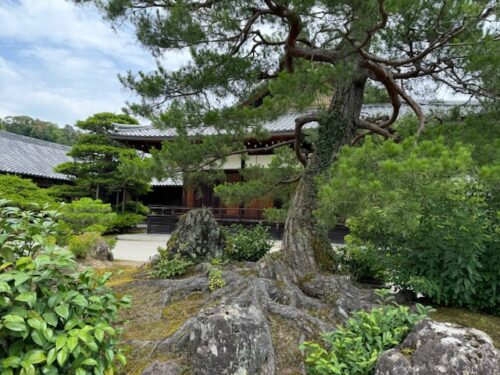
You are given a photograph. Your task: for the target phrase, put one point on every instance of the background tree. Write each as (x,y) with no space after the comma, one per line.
(35,128)
(99,162)
(292,52)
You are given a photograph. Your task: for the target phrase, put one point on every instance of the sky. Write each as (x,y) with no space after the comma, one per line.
(60,62)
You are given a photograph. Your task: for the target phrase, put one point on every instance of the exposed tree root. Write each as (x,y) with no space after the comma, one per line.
(309,307)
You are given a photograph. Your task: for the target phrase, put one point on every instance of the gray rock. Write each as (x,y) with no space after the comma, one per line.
(231,340)
(163,368)
(197,236)
(101,251)
(434,348)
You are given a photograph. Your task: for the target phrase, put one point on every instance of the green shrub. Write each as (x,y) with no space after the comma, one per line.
(422,216)
(53,320)
(80,244)
(24,193)
(124,222)
(168,266)
(247,244)
(87,215)
(353,349)
(361,262)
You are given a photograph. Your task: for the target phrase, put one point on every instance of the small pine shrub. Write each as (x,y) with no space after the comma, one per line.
(354,348)
(247,244)
(169,266)
(87,215)
(124,222)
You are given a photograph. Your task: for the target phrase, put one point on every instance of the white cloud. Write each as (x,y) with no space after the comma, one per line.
(59,62)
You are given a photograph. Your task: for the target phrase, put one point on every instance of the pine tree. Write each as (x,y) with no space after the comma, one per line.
(287,54)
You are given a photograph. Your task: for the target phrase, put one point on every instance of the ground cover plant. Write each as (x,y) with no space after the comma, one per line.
(54,319)
(353,348)
(167,265)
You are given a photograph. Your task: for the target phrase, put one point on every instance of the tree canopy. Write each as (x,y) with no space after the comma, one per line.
(101,165)
(35,128)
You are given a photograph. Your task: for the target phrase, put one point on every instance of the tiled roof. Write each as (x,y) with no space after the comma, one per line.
(167,182)
(282,125)
(32,157)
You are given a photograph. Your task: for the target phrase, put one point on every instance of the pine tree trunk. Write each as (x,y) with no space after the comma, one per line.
(306,246)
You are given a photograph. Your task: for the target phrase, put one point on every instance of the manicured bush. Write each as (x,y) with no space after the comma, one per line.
(247,243)
(353,349)
(422,216)
(167,265)
(81,244)
(124,222)
(24,193)
(87,215)
(53,320)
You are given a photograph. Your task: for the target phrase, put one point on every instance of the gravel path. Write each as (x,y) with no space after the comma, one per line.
(141,246)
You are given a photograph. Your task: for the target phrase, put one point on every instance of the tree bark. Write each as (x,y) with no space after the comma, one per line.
(306,247)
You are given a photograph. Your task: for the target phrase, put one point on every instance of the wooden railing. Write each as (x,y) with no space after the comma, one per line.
(164,218)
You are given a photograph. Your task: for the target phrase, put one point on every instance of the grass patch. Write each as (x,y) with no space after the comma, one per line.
(487,323)
(176,313)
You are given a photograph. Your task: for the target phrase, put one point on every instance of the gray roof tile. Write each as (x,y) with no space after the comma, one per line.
(32,157)
(283,124)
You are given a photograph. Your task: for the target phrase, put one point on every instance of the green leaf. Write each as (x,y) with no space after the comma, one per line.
(62,310)
(72,343)
(20,279)
(51,356)
(34,357)
(28,297)
(4,287)
(80,301)
(12,361)
(37,338)
(62,356)
(50,318)
(89,362)
(61,341)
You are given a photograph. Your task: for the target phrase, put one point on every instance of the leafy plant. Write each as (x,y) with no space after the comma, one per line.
(215,280)
(168,266)
(53,319)
(248,244)
(353,349)
(87,215)
(23,233)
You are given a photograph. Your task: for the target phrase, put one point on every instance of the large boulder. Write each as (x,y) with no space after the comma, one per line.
(434,348)
(231,340)
(197,236)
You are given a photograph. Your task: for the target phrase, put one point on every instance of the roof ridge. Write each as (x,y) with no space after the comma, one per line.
(37,141)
